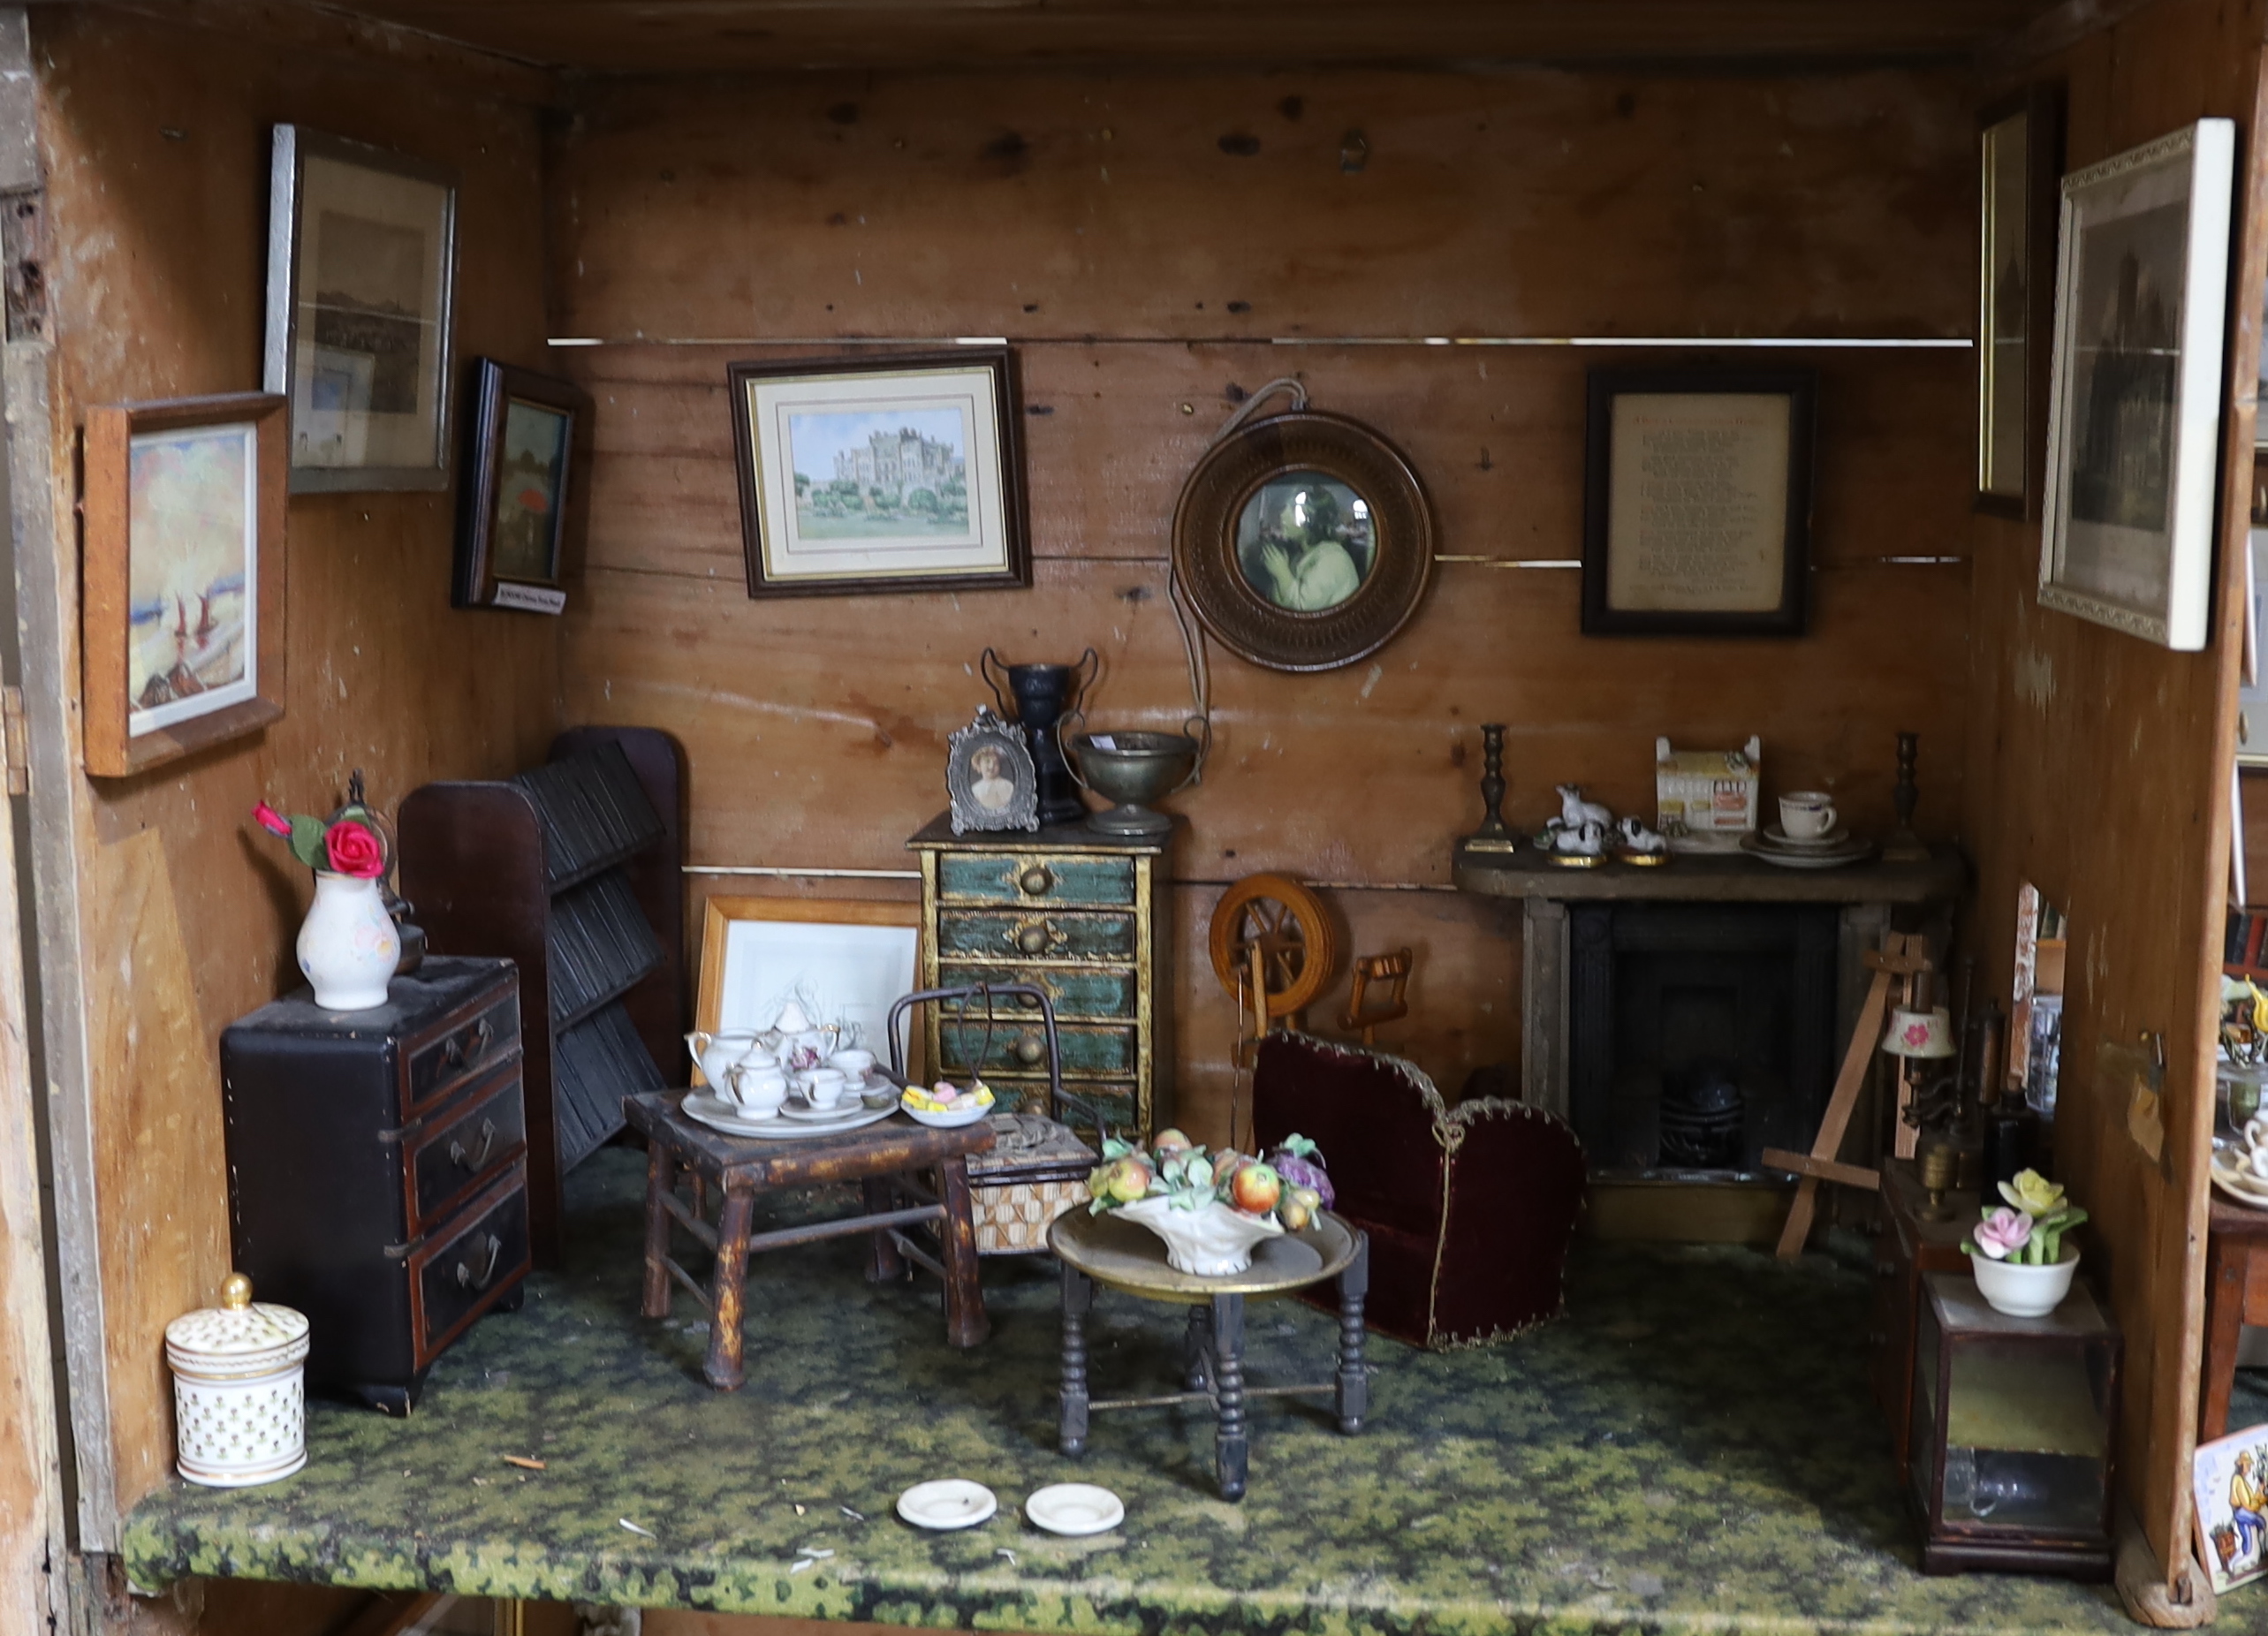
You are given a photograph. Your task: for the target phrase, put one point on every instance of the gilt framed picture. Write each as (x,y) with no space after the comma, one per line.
(182,610)
(902,472)
(362,268)
(2134,409)
(2020,154)
(1698,502)
(518,508)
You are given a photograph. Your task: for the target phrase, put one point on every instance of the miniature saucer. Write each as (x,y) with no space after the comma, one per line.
(1075,1507)
(1838,836)
(948,1503)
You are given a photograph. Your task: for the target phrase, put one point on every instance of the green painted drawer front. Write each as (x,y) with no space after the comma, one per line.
(996,877)
(1074,993)
(1034,934)
(1087,1049)
(1114,1102)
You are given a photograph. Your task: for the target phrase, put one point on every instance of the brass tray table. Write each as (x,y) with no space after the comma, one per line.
(1127,1256)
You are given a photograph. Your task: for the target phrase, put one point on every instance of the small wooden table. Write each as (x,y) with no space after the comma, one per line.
(885,1158)
(1125,1256)
(2236,1294)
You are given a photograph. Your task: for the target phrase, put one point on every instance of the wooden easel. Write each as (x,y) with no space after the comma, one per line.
(1903,959)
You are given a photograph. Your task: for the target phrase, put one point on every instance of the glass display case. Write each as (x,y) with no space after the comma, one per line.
(2014,1424)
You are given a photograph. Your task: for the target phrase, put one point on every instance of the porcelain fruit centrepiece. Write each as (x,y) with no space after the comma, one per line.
(1210,1209)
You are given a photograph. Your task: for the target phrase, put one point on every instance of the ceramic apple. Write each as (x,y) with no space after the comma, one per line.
(1170,1141)
(1255,1189)
(1128,1180)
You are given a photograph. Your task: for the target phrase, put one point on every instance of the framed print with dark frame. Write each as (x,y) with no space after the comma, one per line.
(1698,502)
(361,272)
(901,472)
(181,632)
(2133,413)
(1303,541)
(2020,154)
(518,508)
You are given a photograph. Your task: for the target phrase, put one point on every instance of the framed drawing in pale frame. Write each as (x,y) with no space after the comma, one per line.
(182,606)
(2020,154)
(2134,410)
(362,278)
(901,472)
(846,961)
(1698,502)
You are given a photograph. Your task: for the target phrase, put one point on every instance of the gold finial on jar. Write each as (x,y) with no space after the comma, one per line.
(236,1292)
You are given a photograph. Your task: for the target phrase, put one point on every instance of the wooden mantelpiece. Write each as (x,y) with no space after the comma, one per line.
(1867,894)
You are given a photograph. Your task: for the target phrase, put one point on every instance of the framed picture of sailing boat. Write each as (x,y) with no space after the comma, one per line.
(182,619)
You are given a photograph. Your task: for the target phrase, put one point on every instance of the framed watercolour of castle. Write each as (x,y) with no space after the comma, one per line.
(902,472)
(2133,413)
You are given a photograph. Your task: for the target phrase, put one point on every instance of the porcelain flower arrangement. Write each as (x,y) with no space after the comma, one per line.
(1211,1208)
(2017,1251)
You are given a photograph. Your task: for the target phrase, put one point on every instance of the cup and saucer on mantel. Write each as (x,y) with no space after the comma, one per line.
(1807,837)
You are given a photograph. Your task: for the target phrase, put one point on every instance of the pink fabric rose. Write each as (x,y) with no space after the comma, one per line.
(2003,1233)
(269,819)
(352,850)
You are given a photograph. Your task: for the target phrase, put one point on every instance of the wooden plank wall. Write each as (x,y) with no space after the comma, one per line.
(1142,237)
(156,145)
(2098,770)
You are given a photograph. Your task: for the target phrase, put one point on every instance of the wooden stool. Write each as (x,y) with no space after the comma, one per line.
(2236,1294)
(885,1158)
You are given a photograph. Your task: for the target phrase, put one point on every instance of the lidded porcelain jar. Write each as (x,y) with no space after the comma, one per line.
(240,1408)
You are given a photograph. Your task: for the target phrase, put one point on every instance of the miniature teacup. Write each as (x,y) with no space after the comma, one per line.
(1806,814)
(855,1065)
(822,1088)
(758,1090)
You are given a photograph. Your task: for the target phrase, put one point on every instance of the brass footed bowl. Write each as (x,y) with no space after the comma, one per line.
(1133,769)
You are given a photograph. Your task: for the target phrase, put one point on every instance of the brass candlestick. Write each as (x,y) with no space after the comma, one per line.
(1941,1169)
(1905,846)
(1493,836)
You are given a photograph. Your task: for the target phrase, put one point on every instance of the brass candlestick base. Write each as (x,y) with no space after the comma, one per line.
(1940,1170)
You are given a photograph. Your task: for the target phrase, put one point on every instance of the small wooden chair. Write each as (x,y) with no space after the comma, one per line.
(1370,968)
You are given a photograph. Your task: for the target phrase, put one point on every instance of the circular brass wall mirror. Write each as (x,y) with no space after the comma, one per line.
(1303,541)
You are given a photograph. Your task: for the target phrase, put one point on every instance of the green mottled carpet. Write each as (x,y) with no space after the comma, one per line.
(1692,1446)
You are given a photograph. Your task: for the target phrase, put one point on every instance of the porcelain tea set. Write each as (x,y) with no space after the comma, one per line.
(2240,1166)
(794,1069)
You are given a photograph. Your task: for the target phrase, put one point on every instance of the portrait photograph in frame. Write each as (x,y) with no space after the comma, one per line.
(182,612)
(1698,502)
(990,776)
(361,271)
(2134,407)
(899,472)
(2020,154)
(519,506)
(844,961)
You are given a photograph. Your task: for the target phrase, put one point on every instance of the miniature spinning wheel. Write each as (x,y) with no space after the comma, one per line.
(1273,947)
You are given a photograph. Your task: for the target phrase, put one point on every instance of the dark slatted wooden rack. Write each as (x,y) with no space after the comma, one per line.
(574,870)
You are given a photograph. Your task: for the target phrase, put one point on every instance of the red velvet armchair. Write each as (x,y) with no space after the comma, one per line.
(1470,1210)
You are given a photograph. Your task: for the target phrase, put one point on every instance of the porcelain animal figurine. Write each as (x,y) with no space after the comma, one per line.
(1574,812)
(1587,839)
(1636,838)
(717,1053)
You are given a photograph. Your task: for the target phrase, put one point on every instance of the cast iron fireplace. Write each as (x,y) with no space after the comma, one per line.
(1700,1034)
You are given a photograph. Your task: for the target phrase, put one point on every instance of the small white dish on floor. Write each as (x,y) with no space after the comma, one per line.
(948,1503)
(1075,1508)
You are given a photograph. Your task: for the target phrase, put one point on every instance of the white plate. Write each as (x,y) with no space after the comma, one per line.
(1806,858)
(952,1121)
(726,1116)
(948,1503)
(1075,1508)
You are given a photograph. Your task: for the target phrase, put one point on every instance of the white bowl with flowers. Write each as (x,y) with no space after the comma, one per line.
(2018,1251)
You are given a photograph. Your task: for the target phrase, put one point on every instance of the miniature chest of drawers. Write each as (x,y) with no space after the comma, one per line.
(1078,915)
(378,1169)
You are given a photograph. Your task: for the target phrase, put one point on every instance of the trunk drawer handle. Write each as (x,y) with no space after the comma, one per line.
(456,1053)
(466,1280)
(463,1161)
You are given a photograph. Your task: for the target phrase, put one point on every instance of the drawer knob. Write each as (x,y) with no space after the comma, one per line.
(474,1161)
(1031,1050)
(468,1279)
(1033,939)
(1036,882)
(457,1052)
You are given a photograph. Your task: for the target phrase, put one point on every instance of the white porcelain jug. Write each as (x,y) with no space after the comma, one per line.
(715,1053)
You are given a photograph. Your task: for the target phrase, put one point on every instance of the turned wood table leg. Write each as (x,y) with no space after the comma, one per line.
(2226,1271)
(723,1368)
(1078,1297)
(1196,1347)
(1354,1380)
(965,1324)
(886,1265)
(661,1176)
(1232,1439)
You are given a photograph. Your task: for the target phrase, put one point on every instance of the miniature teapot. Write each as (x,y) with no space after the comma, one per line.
(715,1054)
(801,1044)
